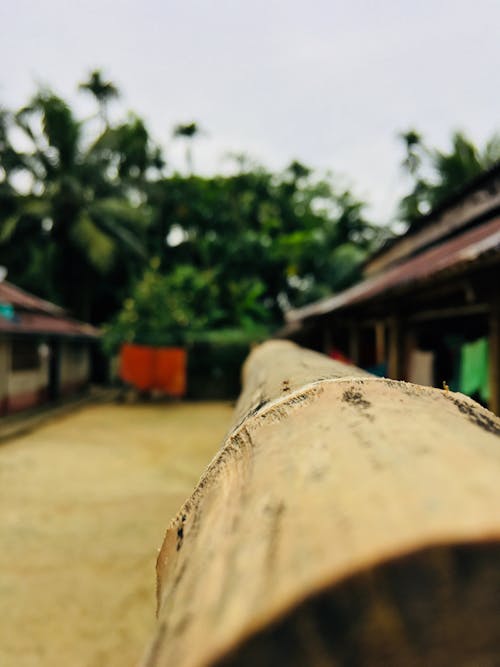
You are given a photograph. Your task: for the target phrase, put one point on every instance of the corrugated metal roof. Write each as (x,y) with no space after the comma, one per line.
(33,323)
(37,316)
(420,222)
(20,299)
(462,249)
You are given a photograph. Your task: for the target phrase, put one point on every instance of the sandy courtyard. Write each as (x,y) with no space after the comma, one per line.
(84,503)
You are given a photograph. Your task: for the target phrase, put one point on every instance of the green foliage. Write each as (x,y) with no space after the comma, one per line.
(85,204)
(272,237)
(103,91)
(165,309)
(233,251)
(129,149)
(187,132)
(81,216)
(436,174)
(98,246)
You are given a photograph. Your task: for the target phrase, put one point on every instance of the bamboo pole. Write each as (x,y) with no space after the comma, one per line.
(346,519)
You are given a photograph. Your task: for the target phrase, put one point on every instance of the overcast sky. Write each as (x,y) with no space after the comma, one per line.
(328,82)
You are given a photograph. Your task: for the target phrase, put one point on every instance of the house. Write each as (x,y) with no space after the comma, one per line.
(428,308)
(44,354)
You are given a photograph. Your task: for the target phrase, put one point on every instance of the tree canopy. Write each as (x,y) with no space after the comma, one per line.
(92,218)
(75,219)
(435,174)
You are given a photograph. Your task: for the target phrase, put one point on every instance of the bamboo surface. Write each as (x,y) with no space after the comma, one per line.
(346,520)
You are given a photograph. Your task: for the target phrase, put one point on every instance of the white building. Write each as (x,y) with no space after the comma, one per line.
(44,354)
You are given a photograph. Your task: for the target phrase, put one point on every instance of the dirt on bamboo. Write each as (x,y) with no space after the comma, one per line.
(347,519)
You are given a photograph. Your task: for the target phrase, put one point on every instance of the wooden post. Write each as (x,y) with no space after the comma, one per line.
(494,361)
(395,360)
(347,519)
(354,339)
(380,346)
(409,344)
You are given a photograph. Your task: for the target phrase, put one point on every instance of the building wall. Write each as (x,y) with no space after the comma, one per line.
(75,366)
(26,387)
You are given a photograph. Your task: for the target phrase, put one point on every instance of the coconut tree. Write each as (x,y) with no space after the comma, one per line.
(72,205)
(103,91)
(187,132)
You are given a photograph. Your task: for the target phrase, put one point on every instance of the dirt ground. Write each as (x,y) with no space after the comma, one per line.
(84,503)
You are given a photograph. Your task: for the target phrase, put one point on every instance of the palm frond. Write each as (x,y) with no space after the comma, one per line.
(124,237)
(96,245)
(8,227)
(123,211)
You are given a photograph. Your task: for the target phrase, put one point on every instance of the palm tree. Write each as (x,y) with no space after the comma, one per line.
(297,170)
(103,91)
(187,132)
(134,151)
(10,162)
(414,149)
(73,205)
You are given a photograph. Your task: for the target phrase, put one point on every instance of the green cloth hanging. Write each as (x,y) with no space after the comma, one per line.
(7,311)
(474,373)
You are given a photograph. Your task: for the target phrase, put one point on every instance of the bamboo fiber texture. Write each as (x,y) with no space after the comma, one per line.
(346,520)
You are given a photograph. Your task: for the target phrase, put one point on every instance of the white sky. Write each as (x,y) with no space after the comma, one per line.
(328,82)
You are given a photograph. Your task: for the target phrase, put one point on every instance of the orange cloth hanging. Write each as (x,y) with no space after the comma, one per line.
(170,370)
(136,365)
(148,368)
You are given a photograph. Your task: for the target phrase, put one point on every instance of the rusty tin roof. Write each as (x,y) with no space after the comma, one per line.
(461,250)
